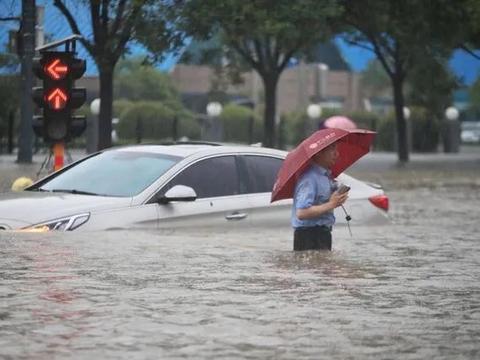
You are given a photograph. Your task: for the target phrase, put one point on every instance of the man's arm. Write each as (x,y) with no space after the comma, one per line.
(314,211)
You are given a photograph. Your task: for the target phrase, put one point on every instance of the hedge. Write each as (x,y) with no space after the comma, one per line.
(153,120)
(425,129)
(236,123)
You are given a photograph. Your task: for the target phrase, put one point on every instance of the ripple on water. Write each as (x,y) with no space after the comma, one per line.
(407,290)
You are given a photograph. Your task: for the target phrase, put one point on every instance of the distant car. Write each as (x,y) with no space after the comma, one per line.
(470,132)
(170,186)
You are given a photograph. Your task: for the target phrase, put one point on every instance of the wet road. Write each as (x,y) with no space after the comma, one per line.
(408,290)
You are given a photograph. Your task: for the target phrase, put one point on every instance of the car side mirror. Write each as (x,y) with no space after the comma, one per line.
(178,193)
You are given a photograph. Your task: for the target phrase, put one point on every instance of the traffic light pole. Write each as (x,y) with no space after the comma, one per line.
(58,155)
(58,97)
(26,106)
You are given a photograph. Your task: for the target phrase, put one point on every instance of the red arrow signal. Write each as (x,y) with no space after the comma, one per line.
(57,99)
(56,69)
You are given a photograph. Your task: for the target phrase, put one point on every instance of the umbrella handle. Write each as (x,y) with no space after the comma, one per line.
(348,218)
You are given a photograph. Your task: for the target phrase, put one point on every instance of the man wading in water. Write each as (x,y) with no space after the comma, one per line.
(314,200)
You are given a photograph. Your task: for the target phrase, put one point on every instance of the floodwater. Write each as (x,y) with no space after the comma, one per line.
(407,290)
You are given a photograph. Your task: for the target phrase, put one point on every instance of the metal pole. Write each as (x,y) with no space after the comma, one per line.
(58,150)
(39,28)
(26,104)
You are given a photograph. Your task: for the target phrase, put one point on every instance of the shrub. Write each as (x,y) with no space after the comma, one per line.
(187,125)
(146,119)
(385,139)
(236,122)
(153,120)
(121,105)
(364,119)
(425,131)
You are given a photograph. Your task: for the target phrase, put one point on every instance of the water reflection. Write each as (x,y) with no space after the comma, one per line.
(407,290)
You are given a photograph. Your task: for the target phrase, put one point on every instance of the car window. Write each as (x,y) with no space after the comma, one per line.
(258,173)
(209,178)
(114,173)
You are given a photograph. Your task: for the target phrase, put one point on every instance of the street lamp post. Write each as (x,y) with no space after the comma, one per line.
(314,111)
(214,127)
(406,115)
(92,126)
(451,130)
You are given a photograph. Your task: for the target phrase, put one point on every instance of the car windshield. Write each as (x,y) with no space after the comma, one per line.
(113,173)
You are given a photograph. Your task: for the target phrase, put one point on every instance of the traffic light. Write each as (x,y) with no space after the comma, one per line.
(58,97)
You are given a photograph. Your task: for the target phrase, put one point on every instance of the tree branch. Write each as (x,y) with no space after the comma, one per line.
(96,25)
(268,52)
(245,54)
(469,51)
(104,18)
(381,57)
(73,25)
(287,58)
(126,32)
(118,19)
(258,50)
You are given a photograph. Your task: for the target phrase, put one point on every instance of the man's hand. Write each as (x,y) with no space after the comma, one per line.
(338,199)
(314,211)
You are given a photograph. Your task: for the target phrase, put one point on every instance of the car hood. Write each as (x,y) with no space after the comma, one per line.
(19,209)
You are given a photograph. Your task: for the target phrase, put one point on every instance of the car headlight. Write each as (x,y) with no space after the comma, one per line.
(64,224)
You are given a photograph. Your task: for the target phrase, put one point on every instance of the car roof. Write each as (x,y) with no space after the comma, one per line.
(189,149)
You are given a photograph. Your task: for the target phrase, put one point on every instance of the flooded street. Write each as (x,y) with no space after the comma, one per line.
(408,290)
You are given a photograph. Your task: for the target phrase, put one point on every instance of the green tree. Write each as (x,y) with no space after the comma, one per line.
(265,33)
(112,26)
(375,80)
(430,86)
(137,81)
(400,33)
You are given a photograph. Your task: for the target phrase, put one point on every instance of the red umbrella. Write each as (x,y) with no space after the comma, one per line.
(351,146)
(339,122)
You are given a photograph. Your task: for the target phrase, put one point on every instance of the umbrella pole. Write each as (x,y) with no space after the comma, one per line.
(348,218)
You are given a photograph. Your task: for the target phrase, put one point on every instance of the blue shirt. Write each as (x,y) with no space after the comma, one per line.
(314,187)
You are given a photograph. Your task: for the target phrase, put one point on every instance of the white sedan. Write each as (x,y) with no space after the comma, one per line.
(170,186)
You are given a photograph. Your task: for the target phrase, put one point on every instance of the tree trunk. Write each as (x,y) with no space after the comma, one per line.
(106,99)
(270,84)
(402,139)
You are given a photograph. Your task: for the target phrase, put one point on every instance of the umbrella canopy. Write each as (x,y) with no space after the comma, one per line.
(351,146)
(339,122)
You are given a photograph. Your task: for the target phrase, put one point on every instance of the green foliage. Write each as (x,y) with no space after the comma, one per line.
(431,85)
(136,81)
(265,33)
(9,90)
(293,128)
(425,130)
(145,119)
(147,104)
(364,119)
(374,79)
(154,121)
(385,139)
(236,121)
(402,35)
(120,106)
(296,126)
(188,125)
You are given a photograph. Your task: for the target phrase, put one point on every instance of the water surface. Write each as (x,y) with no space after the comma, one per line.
(409,290)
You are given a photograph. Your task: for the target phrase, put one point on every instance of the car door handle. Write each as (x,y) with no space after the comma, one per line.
(236,216)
